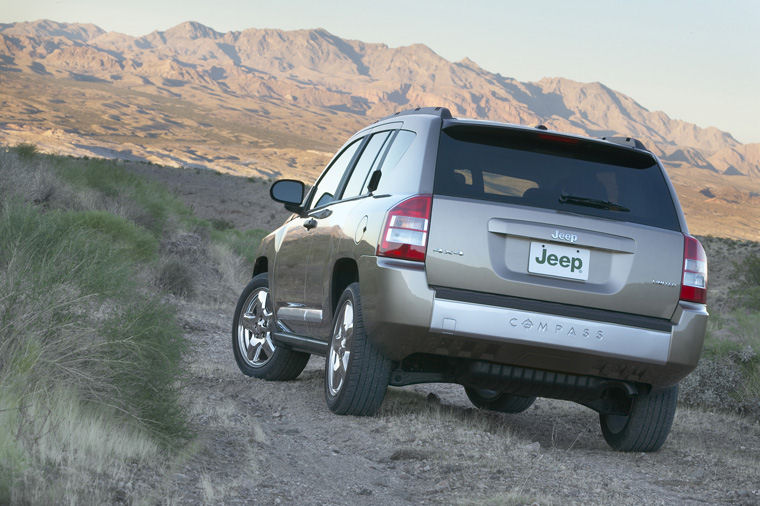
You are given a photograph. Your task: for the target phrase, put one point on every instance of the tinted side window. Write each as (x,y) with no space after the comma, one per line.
(368,161)
(324,193)
(400,144)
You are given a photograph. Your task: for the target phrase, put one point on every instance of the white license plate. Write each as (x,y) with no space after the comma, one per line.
(561,261)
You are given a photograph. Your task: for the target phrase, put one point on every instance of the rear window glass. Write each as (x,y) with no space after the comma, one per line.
(543,170)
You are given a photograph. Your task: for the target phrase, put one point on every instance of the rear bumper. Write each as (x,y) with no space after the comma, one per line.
(404,316)
(556,332)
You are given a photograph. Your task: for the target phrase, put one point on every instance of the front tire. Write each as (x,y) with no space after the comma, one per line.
(498,401)
(255,352)
(356,373)
(647,425)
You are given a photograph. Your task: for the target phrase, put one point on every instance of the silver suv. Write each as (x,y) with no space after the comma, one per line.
(515,261)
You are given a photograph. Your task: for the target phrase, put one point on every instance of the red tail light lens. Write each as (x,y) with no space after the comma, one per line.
(694,282)
(406,228)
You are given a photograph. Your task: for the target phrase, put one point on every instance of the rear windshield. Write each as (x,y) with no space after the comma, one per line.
(552,172)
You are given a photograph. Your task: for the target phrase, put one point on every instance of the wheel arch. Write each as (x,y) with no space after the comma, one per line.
(345,272)
(261,265)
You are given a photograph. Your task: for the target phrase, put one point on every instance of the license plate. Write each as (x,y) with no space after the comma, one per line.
(560,261)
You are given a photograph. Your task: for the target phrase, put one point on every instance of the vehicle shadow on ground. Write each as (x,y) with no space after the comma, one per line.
(560,425)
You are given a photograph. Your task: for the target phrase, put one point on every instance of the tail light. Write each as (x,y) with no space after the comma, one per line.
(694,283)
(406,229)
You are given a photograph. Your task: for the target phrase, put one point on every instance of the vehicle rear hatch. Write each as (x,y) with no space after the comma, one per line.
(545,217)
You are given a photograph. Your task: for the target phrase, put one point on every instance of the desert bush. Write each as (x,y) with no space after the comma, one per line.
(241,242)
(74,321)
(25,150)
(221,224)
(728,375)
(70,310)
(748,271)
(90,354)
(175,277)
(28,178)
(233,272)
(138,243)
(152,204)
(64,445)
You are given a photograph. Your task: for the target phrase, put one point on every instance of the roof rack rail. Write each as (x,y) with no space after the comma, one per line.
(442,112)
(625,141)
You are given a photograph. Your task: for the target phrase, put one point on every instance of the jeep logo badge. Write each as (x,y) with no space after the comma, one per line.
(564,236)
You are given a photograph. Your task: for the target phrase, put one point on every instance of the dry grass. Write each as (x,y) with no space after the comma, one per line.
(70,453)
(89,360)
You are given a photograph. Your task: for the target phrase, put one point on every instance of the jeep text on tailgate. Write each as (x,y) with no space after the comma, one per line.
(517,262)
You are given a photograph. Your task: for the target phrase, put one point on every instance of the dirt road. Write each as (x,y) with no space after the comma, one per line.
(270,443)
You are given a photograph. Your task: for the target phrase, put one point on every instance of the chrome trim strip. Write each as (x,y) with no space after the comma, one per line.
(517,326)
(300,314)
(546,231)
(554,309)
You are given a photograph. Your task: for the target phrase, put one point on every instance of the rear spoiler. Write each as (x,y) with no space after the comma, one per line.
(626,141)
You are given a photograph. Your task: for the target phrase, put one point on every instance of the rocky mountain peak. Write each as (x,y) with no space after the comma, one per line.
(191,30)
(45,28)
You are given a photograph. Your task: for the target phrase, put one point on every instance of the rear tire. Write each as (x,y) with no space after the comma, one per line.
(498,401)
(255,352)
(647,425)
(356,373)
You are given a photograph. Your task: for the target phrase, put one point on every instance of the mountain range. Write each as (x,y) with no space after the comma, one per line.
(278,103)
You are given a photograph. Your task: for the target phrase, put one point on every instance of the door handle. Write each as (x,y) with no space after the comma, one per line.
(310,223)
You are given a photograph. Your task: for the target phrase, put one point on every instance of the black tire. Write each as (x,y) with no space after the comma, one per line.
(498,401)
(272,362)
(358,388)
(647,425)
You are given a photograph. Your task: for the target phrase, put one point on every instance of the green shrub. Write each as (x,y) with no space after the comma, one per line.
(25,150)
(153,201)
(90,359)
(728,375)
(137,242)
(748,271)
(145,347)
(241,242)
(221,224)
(71,315)
(43,250)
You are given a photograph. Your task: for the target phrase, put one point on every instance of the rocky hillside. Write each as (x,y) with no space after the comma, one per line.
(272,102)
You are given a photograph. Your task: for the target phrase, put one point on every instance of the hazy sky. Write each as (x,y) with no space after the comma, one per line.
(696,60)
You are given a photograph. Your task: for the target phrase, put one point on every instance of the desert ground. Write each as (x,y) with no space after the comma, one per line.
(277,443)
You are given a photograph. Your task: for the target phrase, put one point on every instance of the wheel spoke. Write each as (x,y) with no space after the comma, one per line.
(269,344)
(248,321)
(337,374)
(262,300)
(257,355)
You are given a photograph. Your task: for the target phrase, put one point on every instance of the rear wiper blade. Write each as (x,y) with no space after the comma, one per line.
(589,202)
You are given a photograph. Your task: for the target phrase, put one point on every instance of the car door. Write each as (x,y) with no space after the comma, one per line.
(295,245)
(289,274)
(336,224)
